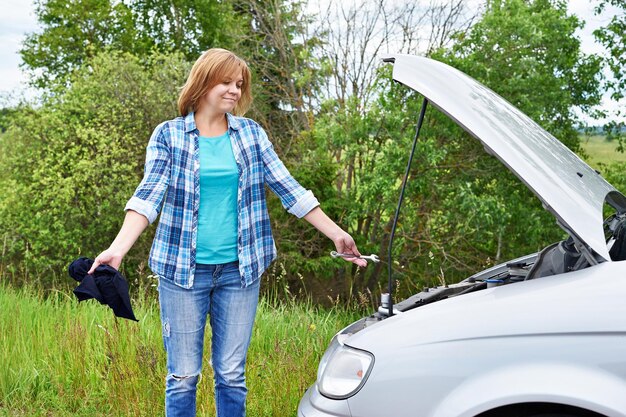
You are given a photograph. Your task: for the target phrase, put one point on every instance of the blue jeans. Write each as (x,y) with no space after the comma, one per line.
(217,292)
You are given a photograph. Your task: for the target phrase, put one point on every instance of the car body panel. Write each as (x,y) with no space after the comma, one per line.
(565,380)
(465,378)
(315,404)
(496,347)
(567,186)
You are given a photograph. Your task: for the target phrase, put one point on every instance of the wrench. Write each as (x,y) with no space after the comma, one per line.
(373,258)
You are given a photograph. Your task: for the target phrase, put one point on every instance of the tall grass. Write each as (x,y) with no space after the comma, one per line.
(59,357)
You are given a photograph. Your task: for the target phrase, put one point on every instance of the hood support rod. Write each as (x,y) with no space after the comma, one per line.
(420,121)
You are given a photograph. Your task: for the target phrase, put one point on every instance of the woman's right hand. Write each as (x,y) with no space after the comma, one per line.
(108,257)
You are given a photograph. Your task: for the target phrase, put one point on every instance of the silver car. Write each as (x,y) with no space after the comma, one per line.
(541,335)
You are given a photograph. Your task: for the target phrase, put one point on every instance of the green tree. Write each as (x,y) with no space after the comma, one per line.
(613,38)
(463,210)
(527,51)
(281,50)
(73,31)
(273,36)
(186,26)
(6,114)
(351,157)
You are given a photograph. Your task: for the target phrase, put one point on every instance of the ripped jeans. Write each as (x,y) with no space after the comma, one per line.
(216,292)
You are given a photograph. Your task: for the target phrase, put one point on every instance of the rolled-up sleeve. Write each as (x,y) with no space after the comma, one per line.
(148,197)
(295,198)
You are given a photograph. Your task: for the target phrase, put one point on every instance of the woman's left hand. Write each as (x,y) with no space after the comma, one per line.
(342,240)
(345,244)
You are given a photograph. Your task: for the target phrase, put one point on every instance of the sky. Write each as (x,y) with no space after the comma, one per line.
(18,18)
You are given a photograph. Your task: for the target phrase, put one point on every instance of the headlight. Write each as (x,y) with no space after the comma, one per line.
(343,370)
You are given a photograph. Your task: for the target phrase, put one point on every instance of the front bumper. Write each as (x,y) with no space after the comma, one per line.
(314,404)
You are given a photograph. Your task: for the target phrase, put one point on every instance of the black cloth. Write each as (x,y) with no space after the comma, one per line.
(106,285)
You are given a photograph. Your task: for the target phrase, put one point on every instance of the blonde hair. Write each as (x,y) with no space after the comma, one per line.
(213,67)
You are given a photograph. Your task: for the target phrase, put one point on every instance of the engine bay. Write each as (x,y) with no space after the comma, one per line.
(557,258)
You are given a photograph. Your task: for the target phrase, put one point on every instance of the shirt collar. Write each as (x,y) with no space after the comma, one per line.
(233,122)
(190,122)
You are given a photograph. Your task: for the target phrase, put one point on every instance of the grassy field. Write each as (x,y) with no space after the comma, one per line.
(62,358)
(600,150)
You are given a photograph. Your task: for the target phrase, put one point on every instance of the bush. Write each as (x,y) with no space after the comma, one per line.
(74,162)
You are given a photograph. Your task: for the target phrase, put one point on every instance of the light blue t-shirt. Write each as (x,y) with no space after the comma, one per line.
(217,216)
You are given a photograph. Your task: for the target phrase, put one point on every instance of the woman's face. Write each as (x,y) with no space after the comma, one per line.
(224,96)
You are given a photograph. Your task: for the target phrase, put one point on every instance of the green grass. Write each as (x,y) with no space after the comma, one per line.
(600,150)
(62,358)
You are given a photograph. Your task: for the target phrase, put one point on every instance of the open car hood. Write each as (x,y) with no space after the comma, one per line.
(567,186)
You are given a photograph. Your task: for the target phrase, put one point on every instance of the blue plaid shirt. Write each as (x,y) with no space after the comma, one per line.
(171,187)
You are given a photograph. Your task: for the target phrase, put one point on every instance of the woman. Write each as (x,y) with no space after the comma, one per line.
(205,174)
